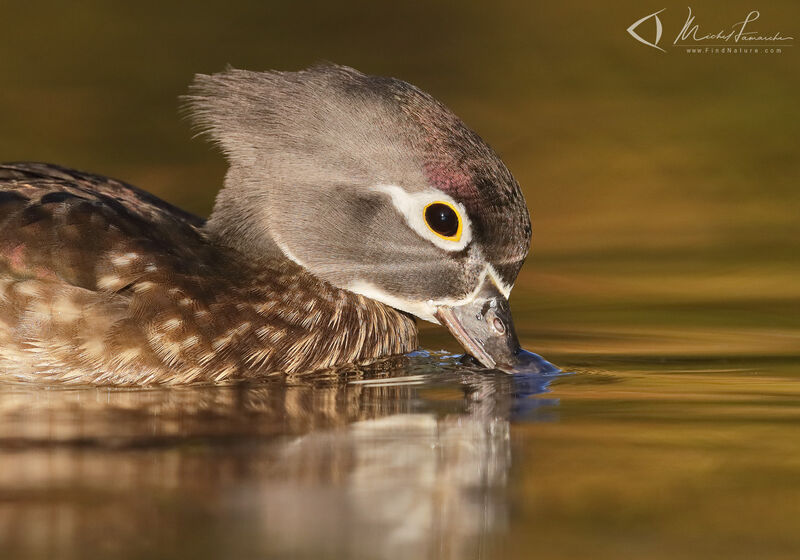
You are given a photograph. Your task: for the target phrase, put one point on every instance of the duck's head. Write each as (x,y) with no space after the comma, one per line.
(375,187)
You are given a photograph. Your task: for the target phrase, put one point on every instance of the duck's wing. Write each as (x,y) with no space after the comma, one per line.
(62,222)
(74,250)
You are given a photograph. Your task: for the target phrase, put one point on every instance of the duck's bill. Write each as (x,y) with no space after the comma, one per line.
(485,329)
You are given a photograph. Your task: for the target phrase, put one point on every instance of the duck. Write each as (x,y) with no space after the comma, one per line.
(352,206)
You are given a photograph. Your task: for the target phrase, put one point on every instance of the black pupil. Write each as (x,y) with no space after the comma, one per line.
(442,219)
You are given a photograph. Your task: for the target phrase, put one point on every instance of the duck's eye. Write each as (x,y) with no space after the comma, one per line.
(443,220)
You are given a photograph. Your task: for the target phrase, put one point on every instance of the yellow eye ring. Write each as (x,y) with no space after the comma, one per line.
(443,219)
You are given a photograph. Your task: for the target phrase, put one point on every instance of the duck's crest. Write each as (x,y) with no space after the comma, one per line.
(249,114)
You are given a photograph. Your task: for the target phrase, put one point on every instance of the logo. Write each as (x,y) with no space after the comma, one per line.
(741,37)
(659,28)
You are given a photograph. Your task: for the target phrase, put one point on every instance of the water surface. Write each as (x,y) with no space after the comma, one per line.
(418,458)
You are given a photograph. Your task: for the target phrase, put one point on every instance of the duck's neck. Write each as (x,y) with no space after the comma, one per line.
(238,219)
(287,318)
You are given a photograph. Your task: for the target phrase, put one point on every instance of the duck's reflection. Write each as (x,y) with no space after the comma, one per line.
(400,463)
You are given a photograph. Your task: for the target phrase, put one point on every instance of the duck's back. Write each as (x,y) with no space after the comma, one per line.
(72,224)
(103,282)
(74,250)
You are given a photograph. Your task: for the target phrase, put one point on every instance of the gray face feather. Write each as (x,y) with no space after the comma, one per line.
(309,152)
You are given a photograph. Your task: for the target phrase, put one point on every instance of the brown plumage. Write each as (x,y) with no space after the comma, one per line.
(101,282)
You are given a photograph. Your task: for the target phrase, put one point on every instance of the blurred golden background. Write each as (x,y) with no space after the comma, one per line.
(663,186)
(665,194)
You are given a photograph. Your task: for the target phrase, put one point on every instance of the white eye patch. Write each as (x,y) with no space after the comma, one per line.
(412,207)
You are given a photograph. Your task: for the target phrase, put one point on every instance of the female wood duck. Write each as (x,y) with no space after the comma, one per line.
(352,203)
